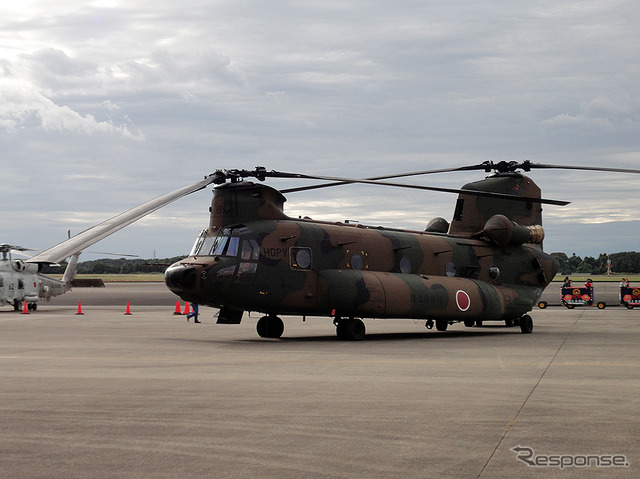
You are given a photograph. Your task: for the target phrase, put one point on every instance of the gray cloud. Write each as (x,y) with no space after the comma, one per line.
(110,106)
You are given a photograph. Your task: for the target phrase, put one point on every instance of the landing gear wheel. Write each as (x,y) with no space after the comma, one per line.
(602,305)
(270,327)
(526,324)
(542,304)
(479,323)
(441,324)
(469,323)
(350,329)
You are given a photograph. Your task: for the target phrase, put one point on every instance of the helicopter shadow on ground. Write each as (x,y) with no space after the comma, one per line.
(331,338)
(370,337)
(403,336)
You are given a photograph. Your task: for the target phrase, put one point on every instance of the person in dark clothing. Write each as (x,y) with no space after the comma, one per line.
(194,313)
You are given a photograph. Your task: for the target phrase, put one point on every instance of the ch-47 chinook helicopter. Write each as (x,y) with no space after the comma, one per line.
(486,265)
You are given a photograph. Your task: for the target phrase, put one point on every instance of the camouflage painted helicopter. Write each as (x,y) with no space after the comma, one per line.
(486,265)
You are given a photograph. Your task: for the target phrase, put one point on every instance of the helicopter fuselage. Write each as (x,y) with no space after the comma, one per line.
(19,281)
(303,267)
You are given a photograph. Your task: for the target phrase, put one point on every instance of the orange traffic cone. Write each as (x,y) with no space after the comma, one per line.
(128,311)
(177,311)
(186,308)
(25,308)
(79,308)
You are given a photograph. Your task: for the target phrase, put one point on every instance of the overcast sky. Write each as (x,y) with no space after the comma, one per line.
(107,104)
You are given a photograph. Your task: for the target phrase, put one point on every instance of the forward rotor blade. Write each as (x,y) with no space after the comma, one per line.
(487,194)
(94,234)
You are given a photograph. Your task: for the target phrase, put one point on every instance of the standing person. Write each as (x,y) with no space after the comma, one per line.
(567,282)
(588,283)
(194,313)
(623,284)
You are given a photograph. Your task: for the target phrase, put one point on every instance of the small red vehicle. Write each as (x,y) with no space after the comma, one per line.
(630,297)
(574,296)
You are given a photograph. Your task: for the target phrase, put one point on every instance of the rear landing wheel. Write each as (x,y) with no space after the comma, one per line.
(350,329)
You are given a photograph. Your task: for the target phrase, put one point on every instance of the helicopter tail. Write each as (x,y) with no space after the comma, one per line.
(70,271)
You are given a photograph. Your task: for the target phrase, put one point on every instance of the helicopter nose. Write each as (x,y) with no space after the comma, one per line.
(179,278)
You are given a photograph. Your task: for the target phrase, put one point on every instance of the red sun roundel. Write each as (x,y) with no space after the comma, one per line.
(463,300)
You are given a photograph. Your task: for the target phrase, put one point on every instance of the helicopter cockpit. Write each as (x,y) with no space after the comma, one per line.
(235,243)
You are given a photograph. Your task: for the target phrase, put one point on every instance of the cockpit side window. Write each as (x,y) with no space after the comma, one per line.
(250,250)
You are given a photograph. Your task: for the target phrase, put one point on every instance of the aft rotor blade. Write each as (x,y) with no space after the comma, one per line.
(94,234)
(584,168)
(487,194)
(386,177)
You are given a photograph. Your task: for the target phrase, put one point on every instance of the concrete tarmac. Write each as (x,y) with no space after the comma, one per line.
(105,395)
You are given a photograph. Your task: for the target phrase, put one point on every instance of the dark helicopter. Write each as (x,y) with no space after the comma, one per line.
(487,264)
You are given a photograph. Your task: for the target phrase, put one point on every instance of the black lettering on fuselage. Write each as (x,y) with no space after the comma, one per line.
(274,252)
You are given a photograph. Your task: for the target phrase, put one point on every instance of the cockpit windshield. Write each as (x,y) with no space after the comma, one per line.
(235,242)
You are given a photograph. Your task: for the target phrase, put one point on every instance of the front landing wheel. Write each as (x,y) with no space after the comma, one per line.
(270,327)
(526,324)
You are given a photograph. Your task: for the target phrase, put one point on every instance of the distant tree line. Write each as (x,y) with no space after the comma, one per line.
(118,266)
(625,262)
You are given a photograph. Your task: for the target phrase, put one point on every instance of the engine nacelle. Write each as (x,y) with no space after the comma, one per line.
(502,231)
(21,266)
